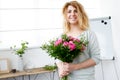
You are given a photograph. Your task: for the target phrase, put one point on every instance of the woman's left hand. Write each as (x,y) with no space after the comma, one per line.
(69,67)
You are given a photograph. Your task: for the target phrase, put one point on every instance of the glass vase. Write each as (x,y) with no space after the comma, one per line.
(20,64)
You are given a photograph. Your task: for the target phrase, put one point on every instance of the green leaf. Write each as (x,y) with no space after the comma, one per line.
(50,67)
(21,50)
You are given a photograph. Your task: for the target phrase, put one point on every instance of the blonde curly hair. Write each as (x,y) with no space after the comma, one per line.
(83,18)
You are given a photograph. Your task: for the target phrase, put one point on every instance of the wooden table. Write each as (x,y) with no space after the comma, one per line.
(25,73)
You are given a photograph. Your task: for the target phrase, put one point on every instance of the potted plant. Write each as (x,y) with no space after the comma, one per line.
(20,52)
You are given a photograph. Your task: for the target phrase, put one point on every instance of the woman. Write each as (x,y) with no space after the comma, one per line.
(76,24)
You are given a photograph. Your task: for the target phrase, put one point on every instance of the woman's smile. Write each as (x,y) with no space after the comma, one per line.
(72,15)
(72,18)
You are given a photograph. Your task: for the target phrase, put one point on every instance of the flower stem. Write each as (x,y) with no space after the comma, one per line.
(64,78)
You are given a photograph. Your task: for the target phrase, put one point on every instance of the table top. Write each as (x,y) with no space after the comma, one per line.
(23,73)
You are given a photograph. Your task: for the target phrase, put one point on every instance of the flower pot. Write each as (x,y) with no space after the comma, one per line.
(20,64)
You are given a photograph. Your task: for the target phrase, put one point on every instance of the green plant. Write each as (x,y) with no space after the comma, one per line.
(50,67)
(20,51)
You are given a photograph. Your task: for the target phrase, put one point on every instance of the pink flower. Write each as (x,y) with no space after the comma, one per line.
(72,46)
(71,42)
(59,41)
(65,43)
(75,39)
(71,38)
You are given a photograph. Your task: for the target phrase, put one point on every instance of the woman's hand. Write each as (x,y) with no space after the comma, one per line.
(65,68)
(69,67)
(62,69)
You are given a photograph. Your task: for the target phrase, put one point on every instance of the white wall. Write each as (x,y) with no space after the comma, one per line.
(33,15)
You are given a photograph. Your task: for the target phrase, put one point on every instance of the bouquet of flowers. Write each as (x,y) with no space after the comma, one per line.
(65,48)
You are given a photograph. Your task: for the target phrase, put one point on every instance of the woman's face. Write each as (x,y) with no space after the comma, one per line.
(72,15)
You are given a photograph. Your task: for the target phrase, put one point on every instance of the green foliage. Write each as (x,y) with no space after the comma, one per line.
(65,37)
(21,50)
(64,53)
(50,67)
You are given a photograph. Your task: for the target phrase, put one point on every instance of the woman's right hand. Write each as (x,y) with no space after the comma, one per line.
(62,69)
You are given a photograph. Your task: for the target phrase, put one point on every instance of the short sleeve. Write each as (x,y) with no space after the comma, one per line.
(94,48)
